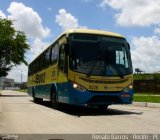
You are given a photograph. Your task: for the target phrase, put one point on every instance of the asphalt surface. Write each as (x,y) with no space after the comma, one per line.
(20,115)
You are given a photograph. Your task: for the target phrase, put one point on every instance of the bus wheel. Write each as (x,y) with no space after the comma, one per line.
(53,98)
(35,99)
(102,107)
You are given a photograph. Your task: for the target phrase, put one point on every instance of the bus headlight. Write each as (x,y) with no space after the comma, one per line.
(126,90)
(79,87)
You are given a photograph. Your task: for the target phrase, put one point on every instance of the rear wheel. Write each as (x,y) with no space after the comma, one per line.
(35,99)
(102,107)
(54,98)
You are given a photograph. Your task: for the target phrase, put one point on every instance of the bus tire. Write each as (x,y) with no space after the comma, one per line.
(53,98)
(35,99)
(102,107)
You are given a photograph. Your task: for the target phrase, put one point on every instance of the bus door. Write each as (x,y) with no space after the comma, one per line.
(62,74)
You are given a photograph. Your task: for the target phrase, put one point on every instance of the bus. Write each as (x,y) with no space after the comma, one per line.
(83,67)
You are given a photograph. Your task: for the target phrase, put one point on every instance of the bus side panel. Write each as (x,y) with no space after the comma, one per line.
(43,91)
(64,92)
(29,91)
(61,86)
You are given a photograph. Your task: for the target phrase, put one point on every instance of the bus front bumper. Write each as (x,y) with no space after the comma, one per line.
(76,97)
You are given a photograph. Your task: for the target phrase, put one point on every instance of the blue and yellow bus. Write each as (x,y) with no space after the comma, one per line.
(83,67)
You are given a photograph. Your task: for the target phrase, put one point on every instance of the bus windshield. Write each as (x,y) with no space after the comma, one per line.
(99,55)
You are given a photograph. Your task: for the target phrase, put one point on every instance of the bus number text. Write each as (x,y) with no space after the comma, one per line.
(93,87)
(40,78)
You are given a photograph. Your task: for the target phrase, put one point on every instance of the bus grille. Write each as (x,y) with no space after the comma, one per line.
(105,99)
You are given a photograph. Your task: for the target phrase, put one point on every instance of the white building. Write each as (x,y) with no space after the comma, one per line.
(6,82)
(1,83)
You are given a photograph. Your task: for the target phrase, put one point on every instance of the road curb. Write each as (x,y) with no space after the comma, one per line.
(146,104)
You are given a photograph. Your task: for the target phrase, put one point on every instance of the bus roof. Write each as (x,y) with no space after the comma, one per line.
(91,31)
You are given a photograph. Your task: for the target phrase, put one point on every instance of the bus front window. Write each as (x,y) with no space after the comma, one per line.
(103,56)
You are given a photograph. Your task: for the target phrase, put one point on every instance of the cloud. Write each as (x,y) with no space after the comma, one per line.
(67,21)
(135,12)
(157,30)
(27,20)
(36,48)
(146,53)
(49,9)
(2,14)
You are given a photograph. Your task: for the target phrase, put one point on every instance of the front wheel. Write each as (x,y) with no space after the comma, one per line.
(54,98)
(35,99)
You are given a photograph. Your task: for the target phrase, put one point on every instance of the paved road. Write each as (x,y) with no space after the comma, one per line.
(20,115)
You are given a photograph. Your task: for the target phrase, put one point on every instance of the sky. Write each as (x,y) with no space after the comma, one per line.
(43,20)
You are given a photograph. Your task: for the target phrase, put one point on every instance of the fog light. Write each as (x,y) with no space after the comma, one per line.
(128,88)
(125,95)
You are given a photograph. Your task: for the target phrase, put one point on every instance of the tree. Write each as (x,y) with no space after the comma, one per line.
(137,70)
(13,45)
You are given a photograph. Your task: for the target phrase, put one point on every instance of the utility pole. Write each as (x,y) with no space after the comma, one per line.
(21,76)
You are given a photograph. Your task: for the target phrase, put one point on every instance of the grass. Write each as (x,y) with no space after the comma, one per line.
(147,94)
(146,98)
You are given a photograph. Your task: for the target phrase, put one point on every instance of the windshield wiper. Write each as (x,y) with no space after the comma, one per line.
(121,76)
(109,71)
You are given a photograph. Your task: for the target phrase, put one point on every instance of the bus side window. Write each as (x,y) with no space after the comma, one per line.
(47,58)
(54,53)
(41,62)
(61,58)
